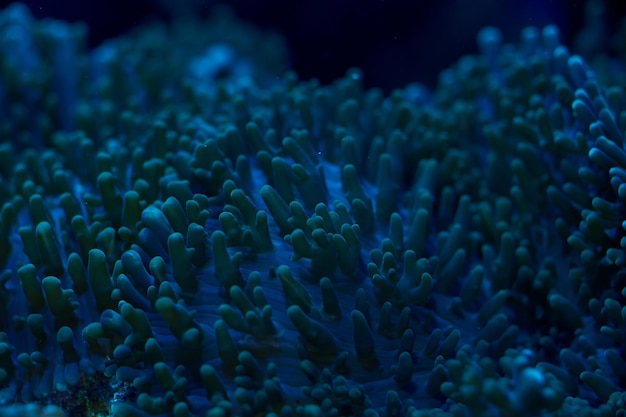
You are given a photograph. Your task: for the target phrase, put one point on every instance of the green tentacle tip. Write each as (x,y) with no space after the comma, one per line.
(278,208)
(421,294)
(32,287)
(151,405)
(49,249)
(566,311)
(226,267)
(239,298)
(37,208)
(77,273)
(600,385)
(59,302)
(348,248)
(255,320)
(29,244)
(250,367)
(234,320)
(176,315)
(215,389)
(404,369)
(363,340)
(295,292)
(142,330)
(101,284)
(86,235)
(197,240)
(182,263)
(318,339)
(111,199)
(175,214)
(226,346)
(65,339)
(245,225)
(153,351)
(131,210)
(331,305)
(36,325)
(436,377)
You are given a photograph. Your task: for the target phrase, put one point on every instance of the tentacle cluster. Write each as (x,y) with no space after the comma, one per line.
(182,233)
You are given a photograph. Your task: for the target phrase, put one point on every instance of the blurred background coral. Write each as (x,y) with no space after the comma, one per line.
(396,42)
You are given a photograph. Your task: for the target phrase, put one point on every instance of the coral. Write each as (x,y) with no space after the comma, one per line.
(186,230)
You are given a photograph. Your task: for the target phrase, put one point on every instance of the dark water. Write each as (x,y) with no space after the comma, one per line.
(395,41)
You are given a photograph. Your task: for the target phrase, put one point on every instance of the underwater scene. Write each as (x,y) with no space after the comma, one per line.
(306,209)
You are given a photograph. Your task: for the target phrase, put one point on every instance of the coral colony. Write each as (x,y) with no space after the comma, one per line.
(188,229)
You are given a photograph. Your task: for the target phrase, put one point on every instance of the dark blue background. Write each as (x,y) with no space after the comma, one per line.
(394,41)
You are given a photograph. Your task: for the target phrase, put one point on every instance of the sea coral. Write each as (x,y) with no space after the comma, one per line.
(210,242)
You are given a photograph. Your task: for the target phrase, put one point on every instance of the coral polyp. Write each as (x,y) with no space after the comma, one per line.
(188,229)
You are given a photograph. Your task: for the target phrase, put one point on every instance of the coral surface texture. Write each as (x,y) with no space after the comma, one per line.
(188,229)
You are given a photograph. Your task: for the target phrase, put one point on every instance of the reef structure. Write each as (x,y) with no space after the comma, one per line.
(188,230)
